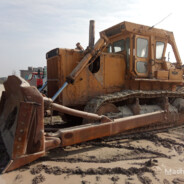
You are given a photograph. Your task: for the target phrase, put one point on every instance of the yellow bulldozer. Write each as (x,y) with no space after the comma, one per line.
(121,84)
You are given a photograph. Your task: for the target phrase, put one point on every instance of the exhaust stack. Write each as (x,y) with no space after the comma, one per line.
(91,33)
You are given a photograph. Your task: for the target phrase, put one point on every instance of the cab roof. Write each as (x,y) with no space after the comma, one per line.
(129,27)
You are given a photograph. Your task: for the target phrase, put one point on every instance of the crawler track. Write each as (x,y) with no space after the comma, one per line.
(120,98)
(95,103)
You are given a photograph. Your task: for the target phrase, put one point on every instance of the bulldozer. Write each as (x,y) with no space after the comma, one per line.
(121,84)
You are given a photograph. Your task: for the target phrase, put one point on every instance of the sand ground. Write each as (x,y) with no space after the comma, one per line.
(142,158)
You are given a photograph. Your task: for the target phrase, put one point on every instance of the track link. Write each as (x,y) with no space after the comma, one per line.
(95,103)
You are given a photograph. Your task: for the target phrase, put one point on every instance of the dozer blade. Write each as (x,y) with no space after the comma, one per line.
(22,128)
(21,124)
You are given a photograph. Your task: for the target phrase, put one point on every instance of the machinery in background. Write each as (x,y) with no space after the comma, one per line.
(35,76)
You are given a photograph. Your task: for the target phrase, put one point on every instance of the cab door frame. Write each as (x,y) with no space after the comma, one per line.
(141,57)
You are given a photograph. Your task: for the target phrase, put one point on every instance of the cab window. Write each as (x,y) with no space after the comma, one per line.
(159,50)
(142,47)
(109,48)
(169,54)
(119,45)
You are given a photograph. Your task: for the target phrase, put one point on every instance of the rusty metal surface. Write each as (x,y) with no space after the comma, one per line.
(78,113)
(21,122)
(23,160)
(22,129)
(106,108)
(84,133)
(52,142)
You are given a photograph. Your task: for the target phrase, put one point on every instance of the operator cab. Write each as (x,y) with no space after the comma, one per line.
(144,49)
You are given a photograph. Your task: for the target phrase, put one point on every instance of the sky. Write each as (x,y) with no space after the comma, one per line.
(30,28)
